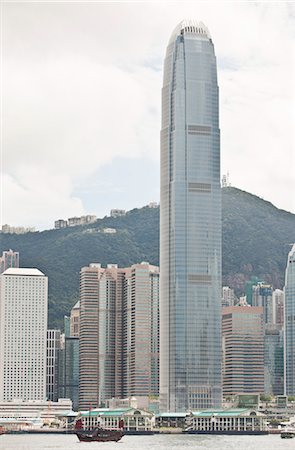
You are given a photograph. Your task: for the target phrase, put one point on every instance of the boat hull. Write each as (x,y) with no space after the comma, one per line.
(99,435)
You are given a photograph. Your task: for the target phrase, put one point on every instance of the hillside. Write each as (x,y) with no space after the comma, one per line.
(256,238)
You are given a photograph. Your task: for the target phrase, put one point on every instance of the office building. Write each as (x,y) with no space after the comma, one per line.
(290,324)
(68,375)
(243,350)
(23,327)
(52,360)
(190,224)
(273,360)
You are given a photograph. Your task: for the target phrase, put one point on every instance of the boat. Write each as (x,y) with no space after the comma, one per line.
(288,433)
(99,435)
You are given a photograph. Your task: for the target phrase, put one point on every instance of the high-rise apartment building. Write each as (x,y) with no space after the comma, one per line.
(190,224)
(262,296)
(141,332)
(88,352)
(228,296)
(23,327)
(290,324)
(243,350)
(119,333)
(278,304)
(9,259)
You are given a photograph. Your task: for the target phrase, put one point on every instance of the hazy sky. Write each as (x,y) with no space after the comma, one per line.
(81,100)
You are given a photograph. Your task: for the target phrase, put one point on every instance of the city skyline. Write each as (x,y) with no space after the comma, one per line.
(62,100)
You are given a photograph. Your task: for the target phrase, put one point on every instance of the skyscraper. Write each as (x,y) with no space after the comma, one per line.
(23,326)
(289,324)
(190,229)
(119,333)
(243,350)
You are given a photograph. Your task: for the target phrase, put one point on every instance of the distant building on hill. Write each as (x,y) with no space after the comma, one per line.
(9,259)
(117,212)
(17,230)
(23,327)
(74,221)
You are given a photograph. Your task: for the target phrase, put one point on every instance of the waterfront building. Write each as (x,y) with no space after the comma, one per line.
(9,259)
(238,420)
(119,333)
(134,419)
(243,350)
(190,224)
(52,362)
(23,327)
(289,323)
(18,414)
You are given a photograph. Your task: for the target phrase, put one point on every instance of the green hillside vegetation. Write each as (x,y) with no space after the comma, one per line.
(256,238)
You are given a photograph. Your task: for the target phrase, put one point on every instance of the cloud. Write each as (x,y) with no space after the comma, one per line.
(82,88)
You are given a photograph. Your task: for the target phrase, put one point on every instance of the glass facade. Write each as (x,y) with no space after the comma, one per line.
(190,229)
(290,324)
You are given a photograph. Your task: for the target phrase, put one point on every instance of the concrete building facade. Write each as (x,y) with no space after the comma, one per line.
(23,327)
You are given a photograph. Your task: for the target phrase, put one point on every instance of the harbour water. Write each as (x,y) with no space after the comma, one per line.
(156,442)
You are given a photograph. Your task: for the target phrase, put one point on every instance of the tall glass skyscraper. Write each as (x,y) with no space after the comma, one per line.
(290,324)
(190,230)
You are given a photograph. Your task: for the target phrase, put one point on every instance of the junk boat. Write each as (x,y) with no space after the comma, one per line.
(97,434)
(288,433)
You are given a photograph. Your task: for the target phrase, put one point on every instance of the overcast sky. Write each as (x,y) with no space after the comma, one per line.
(81,101)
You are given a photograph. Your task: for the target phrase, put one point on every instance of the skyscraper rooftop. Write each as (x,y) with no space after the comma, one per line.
(190,26)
